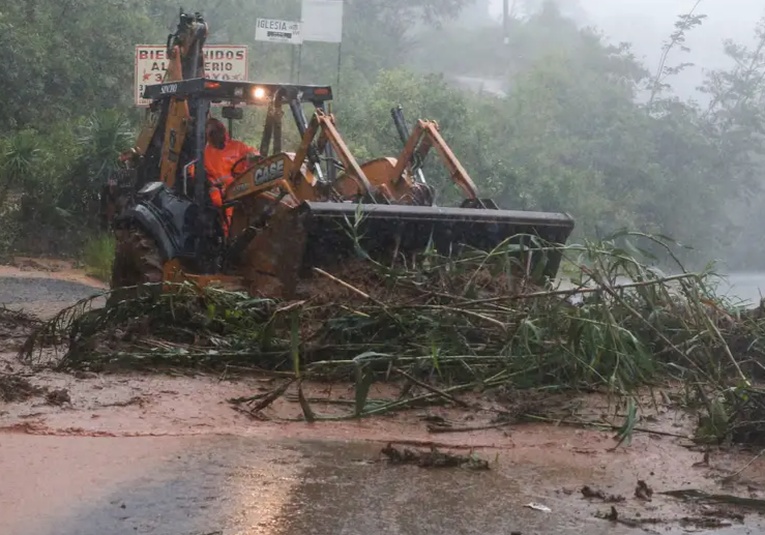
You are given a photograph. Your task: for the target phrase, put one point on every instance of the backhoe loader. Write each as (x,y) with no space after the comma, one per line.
(292,211)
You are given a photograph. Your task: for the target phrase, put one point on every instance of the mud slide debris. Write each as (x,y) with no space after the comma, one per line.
(14,388)
(433,458)
(15,327)
(591,493)
(443,328)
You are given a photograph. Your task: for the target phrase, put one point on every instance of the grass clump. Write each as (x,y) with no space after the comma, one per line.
(98,256)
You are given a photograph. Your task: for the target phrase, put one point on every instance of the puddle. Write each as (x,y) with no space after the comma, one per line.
(287,477)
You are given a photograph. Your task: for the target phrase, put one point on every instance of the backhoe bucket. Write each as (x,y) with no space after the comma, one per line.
(328,234)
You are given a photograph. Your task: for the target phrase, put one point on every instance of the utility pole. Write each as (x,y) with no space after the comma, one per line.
(506,21)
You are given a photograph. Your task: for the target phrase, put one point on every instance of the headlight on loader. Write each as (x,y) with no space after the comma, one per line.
(259,93)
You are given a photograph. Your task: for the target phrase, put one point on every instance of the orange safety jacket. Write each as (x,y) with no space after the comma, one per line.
(218,164)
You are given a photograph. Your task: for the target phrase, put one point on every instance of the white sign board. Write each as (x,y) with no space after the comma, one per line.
(278,31)
(222,62)
(322,20)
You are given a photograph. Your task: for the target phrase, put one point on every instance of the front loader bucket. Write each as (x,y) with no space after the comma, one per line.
(326,234)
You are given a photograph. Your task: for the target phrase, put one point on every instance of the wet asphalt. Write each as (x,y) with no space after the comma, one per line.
(248,486)
(244,486)
(25,290)
(43,297)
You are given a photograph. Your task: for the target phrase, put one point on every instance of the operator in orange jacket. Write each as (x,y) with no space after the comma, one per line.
(221,153)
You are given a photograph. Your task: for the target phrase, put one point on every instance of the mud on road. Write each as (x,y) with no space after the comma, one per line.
(167,454)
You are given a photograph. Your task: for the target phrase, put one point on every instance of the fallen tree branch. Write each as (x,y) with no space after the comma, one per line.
(430,388)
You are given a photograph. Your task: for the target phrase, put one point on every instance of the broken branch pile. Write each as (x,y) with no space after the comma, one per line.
(469,322)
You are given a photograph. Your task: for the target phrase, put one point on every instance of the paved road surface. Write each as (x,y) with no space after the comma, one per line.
(246,486)
(42,296)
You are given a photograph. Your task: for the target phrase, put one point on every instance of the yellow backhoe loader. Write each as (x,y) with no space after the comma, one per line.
(292,211)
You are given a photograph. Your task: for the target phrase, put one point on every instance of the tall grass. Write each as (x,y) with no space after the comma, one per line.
(98,256)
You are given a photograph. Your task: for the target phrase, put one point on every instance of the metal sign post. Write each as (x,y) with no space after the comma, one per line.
(506,21)
(281,31)
(322,21)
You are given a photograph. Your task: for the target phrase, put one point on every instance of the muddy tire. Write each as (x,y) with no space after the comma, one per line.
(137,261)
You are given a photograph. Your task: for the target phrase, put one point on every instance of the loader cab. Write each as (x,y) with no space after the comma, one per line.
(173,201)
(201,94)
(231,114)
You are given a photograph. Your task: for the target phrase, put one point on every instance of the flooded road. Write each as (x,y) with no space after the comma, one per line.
(184,463)
(246,486)
(167,455)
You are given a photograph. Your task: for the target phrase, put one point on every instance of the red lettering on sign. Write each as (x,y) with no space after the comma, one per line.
(156,55)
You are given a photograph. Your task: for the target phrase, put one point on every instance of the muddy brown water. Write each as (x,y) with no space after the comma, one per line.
(166,454)
(241,485)
(254,485)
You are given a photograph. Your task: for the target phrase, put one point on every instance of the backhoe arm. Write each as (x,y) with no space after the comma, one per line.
(269,174)
(424,137)
(158,150)
(323,124)
(184,60)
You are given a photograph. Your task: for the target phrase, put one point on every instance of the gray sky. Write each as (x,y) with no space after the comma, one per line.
(647,23)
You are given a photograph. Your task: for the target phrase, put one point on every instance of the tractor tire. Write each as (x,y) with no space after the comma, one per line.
(137,261)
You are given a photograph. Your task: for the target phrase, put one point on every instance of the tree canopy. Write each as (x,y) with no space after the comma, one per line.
(584,127)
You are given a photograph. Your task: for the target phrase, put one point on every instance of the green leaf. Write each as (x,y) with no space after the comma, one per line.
(364,380)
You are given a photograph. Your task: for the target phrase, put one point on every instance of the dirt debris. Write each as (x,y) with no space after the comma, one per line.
(15,327)
(15,388)
(714,519)
(135,400)
(58,397)
(40,264)
(433,458)
(704,523)
(612,515)
(643,491)
(592,493)
(705,520)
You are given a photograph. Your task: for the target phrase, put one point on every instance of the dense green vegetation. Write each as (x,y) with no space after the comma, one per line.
(585,128)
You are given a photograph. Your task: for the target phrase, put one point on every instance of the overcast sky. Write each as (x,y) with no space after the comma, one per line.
(647,23)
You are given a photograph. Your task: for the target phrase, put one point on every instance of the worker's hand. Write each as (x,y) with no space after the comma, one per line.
(253,157)
(222,182)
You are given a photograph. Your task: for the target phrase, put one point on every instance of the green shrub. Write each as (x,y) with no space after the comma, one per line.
(98,256)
